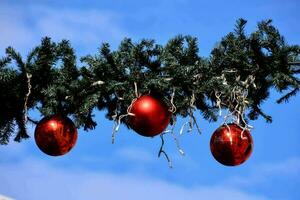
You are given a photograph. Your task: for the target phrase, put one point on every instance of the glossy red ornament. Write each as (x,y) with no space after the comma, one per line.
(230,145)
(55,135)
(151,116)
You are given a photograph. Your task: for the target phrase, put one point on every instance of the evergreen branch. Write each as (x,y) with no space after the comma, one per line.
(4,61)
(256,110)
(295,67)
(22,132)
(32,54)
(239,27)
(297,71)
(287,96)
(294,63)
(106,81)
(11,52)
(6,131)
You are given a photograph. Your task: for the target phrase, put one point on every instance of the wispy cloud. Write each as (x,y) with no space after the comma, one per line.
(25,25)
(34,180)
(264,172)
(4,198)
(288,167)
(136,155)
(25,177)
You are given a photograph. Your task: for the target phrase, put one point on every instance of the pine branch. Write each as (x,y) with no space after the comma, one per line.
(254,114)
(294,63)
(4,61)
(11,53)
(240,27)
(31,56)
(106,80)
(6,131)
(22,132)
(287,96)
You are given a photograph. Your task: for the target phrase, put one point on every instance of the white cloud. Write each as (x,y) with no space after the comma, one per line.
(34,180)
(4,198)
(290,167)
(24,177)
(136,155)
(261,173)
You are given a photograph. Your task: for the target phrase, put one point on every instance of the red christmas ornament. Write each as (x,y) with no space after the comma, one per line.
(230,145)
(151,116)
(55,135)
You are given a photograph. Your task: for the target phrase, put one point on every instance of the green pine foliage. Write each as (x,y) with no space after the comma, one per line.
(105,81)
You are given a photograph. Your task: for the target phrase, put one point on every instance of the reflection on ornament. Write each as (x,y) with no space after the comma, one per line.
(150,116)
(231,145)
(55,135)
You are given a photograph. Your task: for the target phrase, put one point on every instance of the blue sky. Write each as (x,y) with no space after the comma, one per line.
(130,169)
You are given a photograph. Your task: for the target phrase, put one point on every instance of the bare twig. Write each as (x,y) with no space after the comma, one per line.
(32,120)
(162,151)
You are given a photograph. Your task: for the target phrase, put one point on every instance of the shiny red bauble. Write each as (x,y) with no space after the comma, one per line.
(55,135)
(230,145)
(151,116)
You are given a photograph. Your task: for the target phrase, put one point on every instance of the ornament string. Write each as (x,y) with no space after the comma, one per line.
(94,84)
(136,90)
(97,83)
(175,138)
(173,108)
(115,127)
(171,131)
(183,126)
(25,114)
(117,119)
(219,102)
(237,103)
(192,120)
